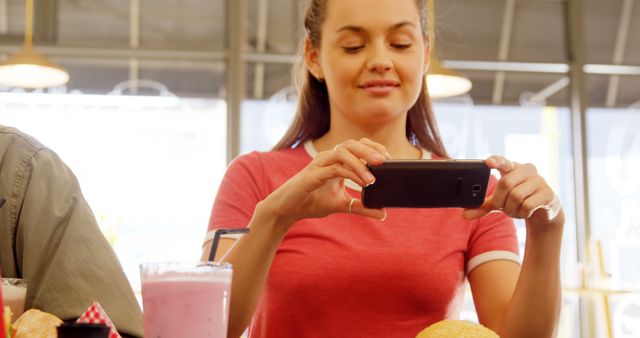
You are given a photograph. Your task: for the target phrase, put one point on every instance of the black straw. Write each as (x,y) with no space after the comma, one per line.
(2,200)
(216,239)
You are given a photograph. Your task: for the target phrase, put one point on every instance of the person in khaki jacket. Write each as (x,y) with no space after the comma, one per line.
(50,237)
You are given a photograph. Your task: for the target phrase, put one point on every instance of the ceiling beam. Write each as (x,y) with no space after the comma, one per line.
(193,58)
(125,53)
(45,22)
(574,29)
(541,96)
(4,17)
(235,72)
(503,49)
(578,104)
(134,43)
(261,47)
(611,69)
(506,66)
(619,50)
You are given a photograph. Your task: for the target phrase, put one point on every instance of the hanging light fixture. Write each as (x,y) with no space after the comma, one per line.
(442,82)
(28,68)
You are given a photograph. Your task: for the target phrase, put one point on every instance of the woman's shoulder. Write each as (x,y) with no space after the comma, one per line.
(293,158)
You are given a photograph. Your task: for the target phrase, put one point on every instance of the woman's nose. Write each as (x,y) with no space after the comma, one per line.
(379,61)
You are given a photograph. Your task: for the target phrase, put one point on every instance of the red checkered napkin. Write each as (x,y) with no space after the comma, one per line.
(95,315)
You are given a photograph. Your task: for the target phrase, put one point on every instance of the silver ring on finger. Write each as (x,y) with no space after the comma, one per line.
(351,204)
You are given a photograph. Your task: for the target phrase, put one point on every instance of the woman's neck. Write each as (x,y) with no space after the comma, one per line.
(393,138)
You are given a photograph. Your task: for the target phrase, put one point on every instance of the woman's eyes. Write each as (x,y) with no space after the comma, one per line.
(355,49)
(401,46)
(352,49)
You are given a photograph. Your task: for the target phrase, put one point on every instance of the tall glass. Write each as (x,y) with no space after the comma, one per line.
(186,299)
(14,294)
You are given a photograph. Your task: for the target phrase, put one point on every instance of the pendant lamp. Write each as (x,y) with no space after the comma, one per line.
(28,68)
(442,82)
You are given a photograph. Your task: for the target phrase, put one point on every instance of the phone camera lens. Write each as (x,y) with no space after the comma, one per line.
(476,188)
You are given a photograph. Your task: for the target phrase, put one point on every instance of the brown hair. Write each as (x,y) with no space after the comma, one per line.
(312,115)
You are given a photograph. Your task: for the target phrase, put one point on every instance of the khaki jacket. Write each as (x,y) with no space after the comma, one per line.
(50,237)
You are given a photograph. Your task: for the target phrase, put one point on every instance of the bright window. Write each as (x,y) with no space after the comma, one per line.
(148,166)
(614,191)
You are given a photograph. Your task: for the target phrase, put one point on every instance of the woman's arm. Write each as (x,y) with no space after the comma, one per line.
(522,302)
(514,301)
(316,191)
(224,245)
(251,257)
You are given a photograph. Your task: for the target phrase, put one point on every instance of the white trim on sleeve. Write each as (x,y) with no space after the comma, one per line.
(491,256)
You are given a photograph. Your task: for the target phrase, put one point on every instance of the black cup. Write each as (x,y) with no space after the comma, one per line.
(78,330)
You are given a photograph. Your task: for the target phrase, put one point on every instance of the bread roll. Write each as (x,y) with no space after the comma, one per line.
(36,324)
(457,329)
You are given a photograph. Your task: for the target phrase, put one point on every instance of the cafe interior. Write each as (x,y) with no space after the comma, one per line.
(148,102)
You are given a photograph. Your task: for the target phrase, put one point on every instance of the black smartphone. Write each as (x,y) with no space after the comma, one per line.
(427,184)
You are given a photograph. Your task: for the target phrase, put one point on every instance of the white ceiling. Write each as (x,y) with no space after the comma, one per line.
(467,30)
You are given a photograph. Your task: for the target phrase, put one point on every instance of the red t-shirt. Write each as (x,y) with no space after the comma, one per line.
(351,276)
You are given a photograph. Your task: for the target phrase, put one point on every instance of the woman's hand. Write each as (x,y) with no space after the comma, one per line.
(521,193)
(318,190)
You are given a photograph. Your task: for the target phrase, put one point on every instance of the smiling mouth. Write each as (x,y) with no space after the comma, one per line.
(379,87)
(379,84)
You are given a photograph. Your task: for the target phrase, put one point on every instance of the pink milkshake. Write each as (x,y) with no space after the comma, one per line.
(186,299)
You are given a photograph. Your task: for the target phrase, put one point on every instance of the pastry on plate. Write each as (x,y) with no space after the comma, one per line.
(36,324)
(458,329)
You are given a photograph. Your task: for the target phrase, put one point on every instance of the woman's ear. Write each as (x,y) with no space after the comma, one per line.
(312,60)
(427,53)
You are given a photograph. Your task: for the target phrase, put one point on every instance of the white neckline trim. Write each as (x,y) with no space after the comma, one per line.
(313,152)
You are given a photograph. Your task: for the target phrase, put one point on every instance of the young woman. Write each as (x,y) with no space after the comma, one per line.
(319,264)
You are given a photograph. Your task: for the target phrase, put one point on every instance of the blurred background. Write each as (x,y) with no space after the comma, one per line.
(162,94)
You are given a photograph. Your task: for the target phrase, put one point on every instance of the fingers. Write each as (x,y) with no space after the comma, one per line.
(505,184)
(366,150)
(353,155)
(337,170)
(485,208)
(377,146)
(520,193)
(503,165)
(532,204)
(318,190)
(347,159)
(517,196)
(356,207)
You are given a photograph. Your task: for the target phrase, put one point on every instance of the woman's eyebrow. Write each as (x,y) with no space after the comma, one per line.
(358,29)
(402,24)
(350,28)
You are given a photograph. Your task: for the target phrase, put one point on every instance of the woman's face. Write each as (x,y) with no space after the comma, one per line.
(372,56)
